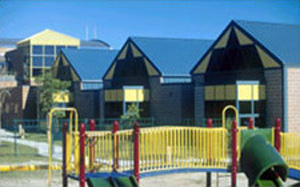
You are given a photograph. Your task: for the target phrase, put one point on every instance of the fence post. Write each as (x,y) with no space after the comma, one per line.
(64,166)
(209,124)
(277,134)
(115,146)
(234,154)
(92,146)
(136,133)
(15,139)
(82,155)
(251,126)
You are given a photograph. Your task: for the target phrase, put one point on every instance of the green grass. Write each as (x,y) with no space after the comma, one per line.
(40,137)
(25,154)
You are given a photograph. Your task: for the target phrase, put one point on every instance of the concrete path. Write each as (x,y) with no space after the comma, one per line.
(42,147)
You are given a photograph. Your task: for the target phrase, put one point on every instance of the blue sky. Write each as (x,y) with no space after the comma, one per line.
(117,20)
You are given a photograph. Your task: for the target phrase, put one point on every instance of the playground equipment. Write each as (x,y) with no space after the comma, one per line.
(225,109)
(72,115)
(262,164)
(160,150)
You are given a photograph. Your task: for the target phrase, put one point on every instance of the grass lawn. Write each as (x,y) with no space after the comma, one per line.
(40,137)
(25,154)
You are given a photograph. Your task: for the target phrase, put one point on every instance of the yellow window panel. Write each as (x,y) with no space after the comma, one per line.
(203,65)
(220,92)
(61,97)
(133,95)
(119,95)
(242,38)
(150,69)
(123,53)
(209,93)
(224,40)
(107,94)
(136,52)
(230,92)
(113,95)
(267,60)
(255,89)
(262,92)
(244,92)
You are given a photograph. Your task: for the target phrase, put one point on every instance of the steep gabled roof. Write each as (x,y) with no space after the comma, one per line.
(172,56)
(283,40)
(90,64)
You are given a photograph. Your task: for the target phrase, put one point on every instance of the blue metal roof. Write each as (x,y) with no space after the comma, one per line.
(90,64)
(172,56)
(283,40)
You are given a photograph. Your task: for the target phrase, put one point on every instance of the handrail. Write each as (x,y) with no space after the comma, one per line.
(224,114)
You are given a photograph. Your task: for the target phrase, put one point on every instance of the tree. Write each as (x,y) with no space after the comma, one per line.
(132,115)
(47,87)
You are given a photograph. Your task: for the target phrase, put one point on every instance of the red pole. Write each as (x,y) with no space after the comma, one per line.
(277,134)
(209,124)
(64,166)
(115,152)
(251,126)
(136,151)
(82,155)
(92,146)
(234,154)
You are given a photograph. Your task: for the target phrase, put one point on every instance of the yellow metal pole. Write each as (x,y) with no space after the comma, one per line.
(49,133)
(224,114)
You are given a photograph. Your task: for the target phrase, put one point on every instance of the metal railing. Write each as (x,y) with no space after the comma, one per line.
(290,149)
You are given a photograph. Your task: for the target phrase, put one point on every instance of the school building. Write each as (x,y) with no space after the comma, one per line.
(31,57)
(84,68)
(154,73)
(256,67)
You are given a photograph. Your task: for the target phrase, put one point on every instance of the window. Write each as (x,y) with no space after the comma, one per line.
(49,50)
(58,48)
(37,72)
(37,61)
(37,49)
(49,61)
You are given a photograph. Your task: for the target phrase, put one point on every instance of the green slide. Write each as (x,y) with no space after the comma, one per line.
(262,164)
(113,182)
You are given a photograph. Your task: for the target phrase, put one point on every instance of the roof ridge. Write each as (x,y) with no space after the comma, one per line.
(89,49)
(267,23)
(170,38)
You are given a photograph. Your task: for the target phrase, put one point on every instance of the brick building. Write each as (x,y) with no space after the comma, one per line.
(256,67)
(85,69)
(31,57)
(154,73)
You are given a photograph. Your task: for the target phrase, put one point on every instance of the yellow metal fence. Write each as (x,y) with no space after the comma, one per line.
(161,148)
(183,147)
(166,148)
(290,149)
